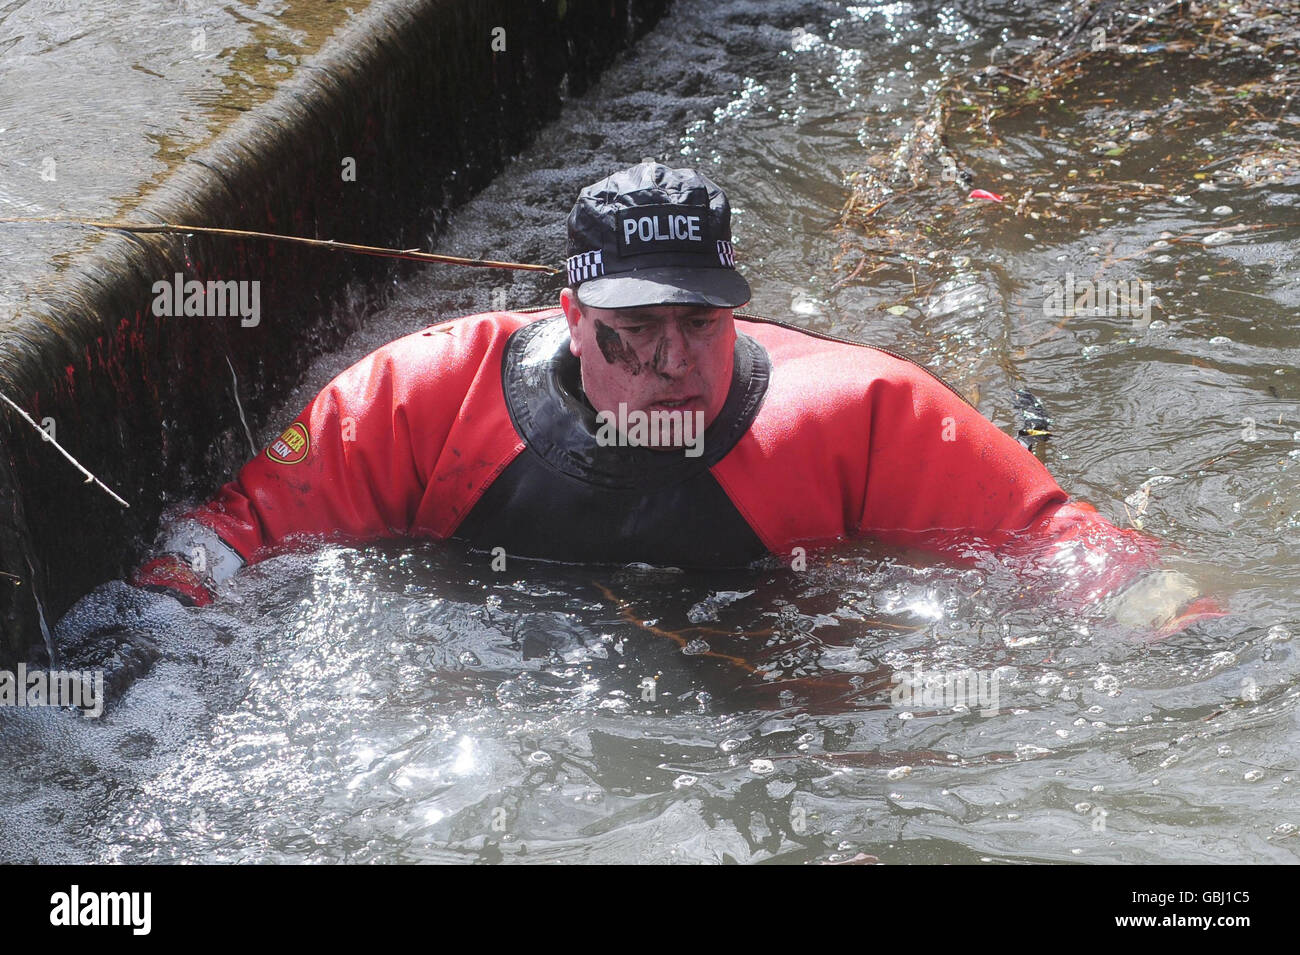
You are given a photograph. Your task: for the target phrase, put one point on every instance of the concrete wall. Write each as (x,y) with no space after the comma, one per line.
(411,90)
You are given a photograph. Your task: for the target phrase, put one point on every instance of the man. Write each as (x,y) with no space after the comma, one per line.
(641,421)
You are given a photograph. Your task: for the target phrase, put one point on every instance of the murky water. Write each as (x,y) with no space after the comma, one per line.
(406,703)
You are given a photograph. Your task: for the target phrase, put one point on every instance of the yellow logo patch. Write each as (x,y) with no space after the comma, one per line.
(292,446)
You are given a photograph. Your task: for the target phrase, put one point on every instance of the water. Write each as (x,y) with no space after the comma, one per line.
(401,702)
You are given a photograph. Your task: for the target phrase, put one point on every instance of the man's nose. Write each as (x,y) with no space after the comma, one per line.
(672,354)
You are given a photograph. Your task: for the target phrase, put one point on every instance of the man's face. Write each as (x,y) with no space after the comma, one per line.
(654,358)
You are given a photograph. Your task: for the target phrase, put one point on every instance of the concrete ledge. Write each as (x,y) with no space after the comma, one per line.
(414,93)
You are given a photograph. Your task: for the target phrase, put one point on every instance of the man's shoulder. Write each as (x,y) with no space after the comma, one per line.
(446,355)
(459,339)
(484,324)
(788,343)
(823,367)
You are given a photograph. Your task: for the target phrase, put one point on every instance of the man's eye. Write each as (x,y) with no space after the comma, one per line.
(702,323)
(635,329)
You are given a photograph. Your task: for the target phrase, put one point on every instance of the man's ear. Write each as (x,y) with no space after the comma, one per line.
(572,315)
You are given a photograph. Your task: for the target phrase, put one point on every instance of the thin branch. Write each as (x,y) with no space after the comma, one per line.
(413,254)
(45,437)
(238,405)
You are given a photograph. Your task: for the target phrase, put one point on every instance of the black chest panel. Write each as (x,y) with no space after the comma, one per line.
(568,498)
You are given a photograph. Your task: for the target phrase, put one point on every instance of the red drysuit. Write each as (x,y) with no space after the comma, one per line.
(477,429)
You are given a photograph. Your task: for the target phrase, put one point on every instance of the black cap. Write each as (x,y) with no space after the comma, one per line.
(650,235)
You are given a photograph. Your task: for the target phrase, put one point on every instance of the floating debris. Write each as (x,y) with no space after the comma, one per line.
(1222,82)
(1035,425)
(707,609)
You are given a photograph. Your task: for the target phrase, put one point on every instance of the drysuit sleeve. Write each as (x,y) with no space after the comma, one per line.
(940,473)
(344,468)
(356,464)
(400,444)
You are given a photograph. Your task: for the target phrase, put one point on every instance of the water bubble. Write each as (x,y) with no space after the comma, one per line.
(1083,808)
(1222,210)
(780,788)
(899,772)
(1278,634)
(1220,340)
(684,781)
(1217,238)
(761,767)
(467,658)
(729,745)
(540,758)
(1253,776)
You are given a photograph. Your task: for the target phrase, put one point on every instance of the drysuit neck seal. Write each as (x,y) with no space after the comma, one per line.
(542,381)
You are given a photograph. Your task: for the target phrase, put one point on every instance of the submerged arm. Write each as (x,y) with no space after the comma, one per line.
(941,473)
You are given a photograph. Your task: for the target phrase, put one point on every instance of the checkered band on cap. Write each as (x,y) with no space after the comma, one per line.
(726,254)
(585,265)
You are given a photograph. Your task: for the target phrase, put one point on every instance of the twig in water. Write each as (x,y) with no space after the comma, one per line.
(45,437)
(247,431)
(626,612)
